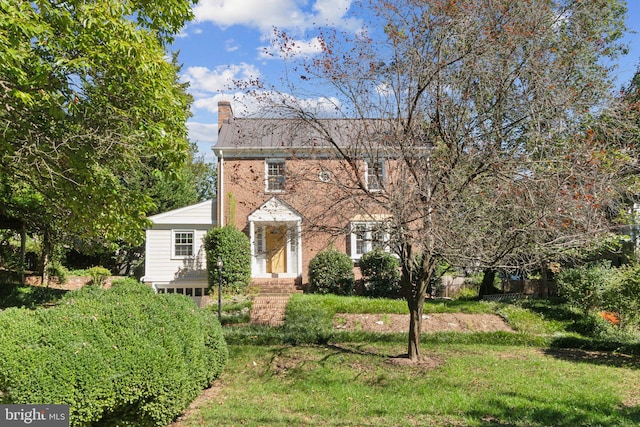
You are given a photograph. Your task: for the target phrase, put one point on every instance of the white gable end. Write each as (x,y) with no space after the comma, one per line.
(274,210)
(202,213)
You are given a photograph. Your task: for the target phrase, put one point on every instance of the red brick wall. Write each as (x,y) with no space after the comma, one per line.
(323,206)
(72,283)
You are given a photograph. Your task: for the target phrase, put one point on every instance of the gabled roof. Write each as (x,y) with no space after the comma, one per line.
(243,135)
(203,213)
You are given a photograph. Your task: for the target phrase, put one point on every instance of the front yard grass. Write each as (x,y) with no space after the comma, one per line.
(467,385)
(306,373)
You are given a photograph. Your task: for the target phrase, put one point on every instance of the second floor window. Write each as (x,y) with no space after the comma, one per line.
(275,176)
(375,175)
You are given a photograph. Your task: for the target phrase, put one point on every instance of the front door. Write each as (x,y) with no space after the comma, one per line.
(276,248)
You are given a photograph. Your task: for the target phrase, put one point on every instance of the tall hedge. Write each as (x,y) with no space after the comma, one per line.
(122,356)
(233,247)
(331,272)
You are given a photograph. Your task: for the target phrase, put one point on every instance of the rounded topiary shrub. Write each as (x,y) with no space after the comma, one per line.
(120,356)
(331,272)
(381,274)
(231,246)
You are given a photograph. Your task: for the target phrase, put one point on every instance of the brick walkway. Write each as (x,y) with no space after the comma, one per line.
(269,305)
(268,309)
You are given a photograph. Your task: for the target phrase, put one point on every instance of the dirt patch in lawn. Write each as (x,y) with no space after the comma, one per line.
(436,322)
(202,400)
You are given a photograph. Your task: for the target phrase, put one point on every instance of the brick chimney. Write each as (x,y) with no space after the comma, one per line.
(225,113)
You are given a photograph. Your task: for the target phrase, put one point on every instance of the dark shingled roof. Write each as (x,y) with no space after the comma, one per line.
(240,134)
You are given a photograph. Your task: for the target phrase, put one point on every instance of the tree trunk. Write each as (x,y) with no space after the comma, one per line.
(487,287)
(23,251)
(45,259)
(416,306)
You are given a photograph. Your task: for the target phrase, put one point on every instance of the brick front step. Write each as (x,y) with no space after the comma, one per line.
(276,286)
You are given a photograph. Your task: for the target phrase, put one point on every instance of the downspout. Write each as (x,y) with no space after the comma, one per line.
(220,188)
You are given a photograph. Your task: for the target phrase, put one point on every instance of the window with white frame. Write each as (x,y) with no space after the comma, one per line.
(375,175)
(183,241)
(275,175)
(367,236)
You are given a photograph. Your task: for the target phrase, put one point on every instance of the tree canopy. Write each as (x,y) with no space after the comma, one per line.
(89,99)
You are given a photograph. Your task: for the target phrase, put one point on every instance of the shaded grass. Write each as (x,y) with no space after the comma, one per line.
(235,309)
(474,385)
(16,295)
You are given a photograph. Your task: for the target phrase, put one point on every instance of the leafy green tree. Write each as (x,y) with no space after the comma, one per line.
(89,98)
(188,185)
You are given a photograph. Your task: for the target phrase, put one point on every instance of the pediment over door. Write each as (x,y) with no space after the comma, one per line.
(275,210)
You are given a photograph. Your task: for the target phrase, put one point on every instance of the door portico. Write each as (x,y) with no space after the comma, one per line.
(276,247)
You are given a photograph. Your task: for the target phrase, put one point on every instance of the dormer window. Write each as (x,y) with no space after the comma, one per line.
(375,175)
(275,176)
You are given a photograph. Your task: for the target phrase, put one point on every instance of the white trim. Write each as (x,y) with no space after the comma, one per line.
(274,213)
(220,193)
(157,219)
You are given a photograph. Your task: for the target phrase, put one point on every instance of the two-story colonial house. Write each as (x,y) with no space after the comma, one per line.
(282,183)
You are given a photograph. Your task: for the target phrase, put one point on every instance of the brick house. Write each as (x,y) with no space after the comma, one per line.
(281,183)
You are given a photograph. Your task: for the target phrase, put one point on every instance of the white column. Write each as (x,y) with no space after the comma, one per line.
(252,240)
(299,248)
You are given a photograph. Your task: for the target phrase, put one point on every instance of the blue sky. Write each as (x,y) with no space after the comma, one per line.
(229,38)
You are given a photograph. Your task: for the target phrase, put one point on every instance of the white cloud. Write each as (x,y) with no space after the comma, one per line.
(262,14)
(203,81)
(231,45)
(205,135)
(269,104)
(266,14)
(276,104)
(202,132)
(332,13)
(293,48)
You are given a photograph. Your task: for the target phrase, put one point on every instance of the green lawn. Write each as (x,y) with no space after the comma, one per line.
(347,379)
(475,385)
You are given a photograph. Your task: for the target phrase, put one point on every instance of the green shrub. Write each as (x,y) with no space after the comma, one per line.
(467,293)
(622,296)
(584,286)
(234,249)
(98,275)
(59,271)
(381,274)
(123,356)
(331,272)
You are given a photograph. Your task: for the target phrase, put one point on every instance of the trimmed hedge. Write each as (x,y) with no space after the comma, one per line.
(122,356)
(234,248)
(331,272)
